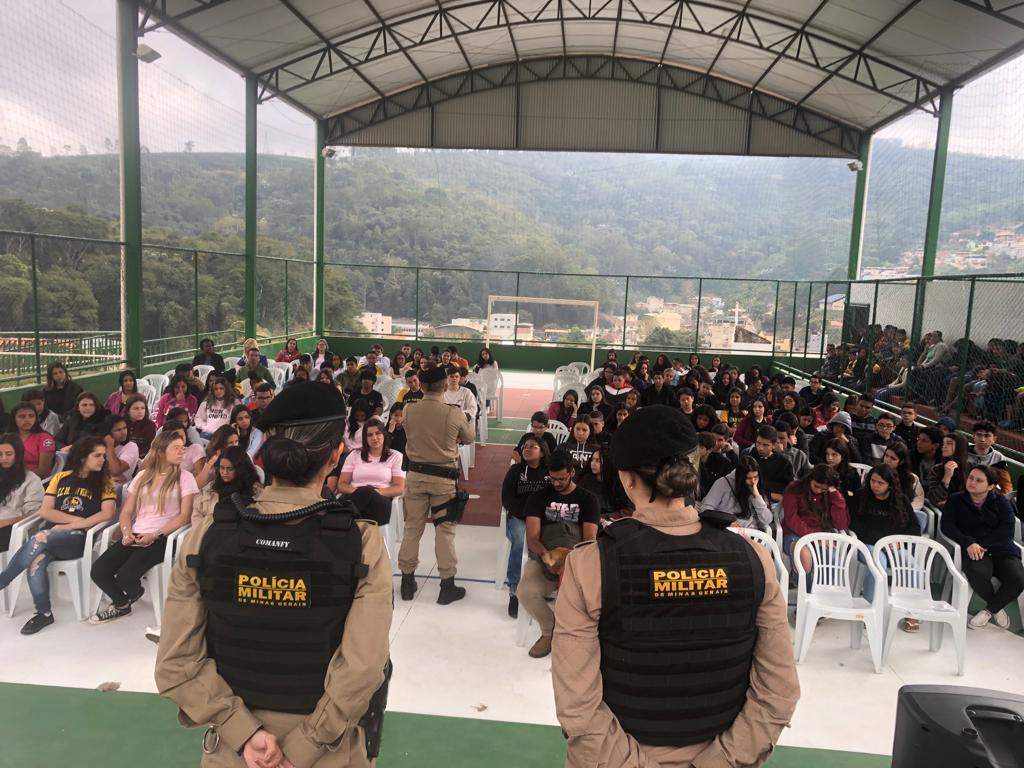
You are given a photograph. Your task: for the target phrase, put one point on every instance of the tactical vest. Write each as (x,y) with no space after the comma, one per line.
(677,630)
(277,597)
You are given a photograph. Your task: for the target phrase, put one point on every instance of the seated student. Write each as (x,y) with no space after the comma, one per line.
(927,451)
(813,392)
(897,458)
(805,421)
(39,446)
(775,470)
(739,494)
(615,392)
(596,477)
(872,446)
(812,504)
(250,438)
(290,353)
(396,431)
(538,428)
(48,420)
(373,475)
(336,363)
(685,397)
(898,386)
(788,447)
(746,429)
(984,454)
(641,375)
(397,368)
(324,376)
(706,396)
(622,412)
(21,491)
(457,395)
(598,433)
(862,420)
(595,403)
(225,437)
(522,479)
(840,428)
(208,356)
(141,429)
(60,392)
(604,378)
(232,472)
(261,397)
(949,474)
(661,363)
(373,363)
(631,400)
(194,458)
(122,453)
(878,509)
(247,345)
(215,410)
(359,413)
(178,397)
(87,419)
(659,392)
(907,430)
(980,520)
(723,384)
(711,462)
(724,442)
(456,359)
(157,503)
(366,392)
(348,378)
(581,444)
(789,402)
(254,364)
(558,517)
(837,456)
(792,421)
(76,499)
(828,408)
(184,371)
(299,375)
(412,389)
(321,354)
(177,418)
(734,411)
(126,387)
(704,418)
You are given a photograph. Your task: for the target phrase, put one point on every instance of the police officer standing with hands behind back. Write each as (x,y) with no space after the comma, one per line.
(433,431)
(275,631)
(671,646)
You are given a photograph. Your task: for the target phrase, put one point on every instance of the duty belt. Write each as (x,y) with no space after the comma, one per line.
(448,473)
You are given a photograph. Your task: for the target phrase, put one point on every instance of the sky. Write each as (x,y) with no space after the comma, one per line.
(59,91)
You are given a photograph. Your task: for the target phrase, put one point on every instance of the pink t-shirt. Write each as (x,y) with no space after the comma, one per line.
(193,453)
(129,454)
(37,443)
(147,517)
(375,473)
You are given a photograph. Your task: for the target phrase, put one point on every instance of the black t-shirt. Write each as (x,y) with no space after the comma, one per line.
(551,507)
(374,398)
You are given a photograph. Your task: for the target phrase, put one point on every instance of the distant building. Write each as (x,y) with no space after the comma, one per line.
(375,323)
(502,326)
(471,322)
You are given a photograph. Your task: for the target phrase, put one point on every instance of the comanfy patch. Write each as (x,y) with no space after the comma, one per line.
(679,583)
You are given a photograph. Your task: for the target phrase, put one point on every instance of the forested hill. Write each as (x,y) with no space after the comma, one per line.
(638,214)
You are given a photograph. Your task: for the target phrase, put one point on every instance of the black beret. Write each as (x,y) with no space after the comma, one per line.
(434,375)
(650,435)
(308,402)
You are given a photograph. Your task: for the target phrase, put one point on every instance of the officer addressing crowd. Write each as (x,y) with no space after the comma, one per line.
(433,431)
(275,631)
(671,645)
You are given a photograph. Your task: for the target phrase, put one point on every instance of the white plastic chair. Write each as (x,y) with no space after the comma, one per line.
(582,369)
(392,532)
(246,388)
(277,374)
(230,362)
(158,382)
(202,372)
(170,375)
(831,594)
(559,430)
(563,382)
(60,458)
(909,559)
(285,368)
(19,532)
(503,549)
(148,392)
(481,410)
(76,571)
(767,542)
(465,459)
(862,469)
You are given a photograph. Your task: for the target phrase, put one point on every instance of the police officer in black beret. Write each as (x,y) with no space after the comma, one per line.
(671,643)
(275,631)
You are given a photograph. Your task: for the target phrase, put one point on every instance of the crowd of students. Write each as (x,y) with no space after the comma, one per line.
(771,456)
(158,471)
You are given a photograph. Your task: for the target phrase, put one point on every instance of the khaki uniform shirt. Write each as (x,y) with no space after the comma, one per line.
(597,740)
(434,429)
(187,676)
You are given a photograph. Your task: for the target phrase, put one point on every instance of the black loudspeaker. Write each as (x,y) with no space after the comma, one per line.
(944,726)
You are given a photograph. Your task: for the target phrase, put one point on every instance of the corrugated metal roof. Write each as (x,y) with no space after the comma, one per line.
(846,66)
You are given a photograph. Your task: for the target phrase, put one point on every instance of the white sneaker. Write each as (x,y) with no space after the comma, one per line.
(1001,619)
(980,619)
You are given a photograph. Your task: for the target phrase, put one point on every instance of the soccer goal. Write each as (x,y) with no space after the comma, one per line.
(503,326)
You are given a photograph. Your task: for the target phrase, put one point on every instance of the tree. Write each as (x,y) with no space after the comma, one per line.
(663,338)
(23,146)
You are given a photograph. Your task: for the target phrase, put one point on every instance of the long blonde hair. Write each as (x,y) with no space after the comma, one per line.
(154,464)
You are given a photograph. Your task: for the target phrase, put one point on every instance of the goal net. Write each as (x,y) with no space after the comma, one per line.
(540,321)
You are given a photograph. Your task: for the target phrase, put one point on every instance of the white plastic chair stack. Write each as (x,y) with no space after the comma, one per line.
(280,373)
(158,382)
(582,369)
(170,375)
(767,542)
(148,392)
(203,372)
(910,559)
(230,362)
(831,593)
(559,430)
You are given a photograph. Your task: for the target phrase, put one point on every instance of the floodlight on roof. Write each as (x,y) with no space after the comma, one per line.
(146,54)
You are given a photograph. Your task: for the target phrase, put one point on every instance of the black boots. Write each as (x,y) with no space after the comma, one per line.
(449,592)
(408,586)
(513,607)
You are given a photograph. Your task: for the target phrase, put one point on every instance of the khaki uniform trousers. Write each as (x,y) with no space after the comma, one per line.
(351,752)
(421,493)
(533,587)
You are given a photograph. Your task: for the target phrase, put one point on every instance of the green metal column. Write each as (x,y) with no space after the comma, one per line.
(319,310)
(195,296)
(250,206)
(416,331)
(625,313)
(775,317)
(287,330)
(696,327)
(963,357)
(131,182)
(860,197)
(35,314)
(931,234)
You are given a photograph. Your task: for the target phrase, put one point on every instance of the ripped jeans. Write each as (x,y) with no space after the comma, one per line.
(35,555)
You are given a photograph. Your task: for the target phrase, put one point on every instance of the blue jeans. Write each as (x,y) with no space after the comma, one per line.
(58,545)
(515,532)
